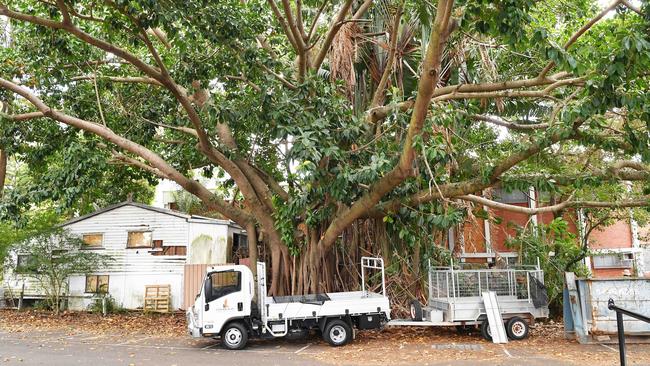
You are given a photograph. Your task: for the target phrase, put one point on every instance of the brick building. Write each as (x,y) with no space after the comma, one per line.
(620,249)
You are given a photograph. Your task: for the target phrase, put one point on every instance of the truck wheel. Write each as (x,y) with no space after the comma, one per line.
(517,328)
(234,336)
(337,333)
(486,332)
(416,310)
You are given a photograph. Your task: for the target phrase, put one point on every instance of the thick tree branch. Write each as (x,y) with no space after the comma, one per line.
(119,157)
(283,24)
(120,79)
(314,23)
(452,190)
(426,87)
(152,158)
(580,32)
(378,98)
(3,170)
(362,9)
(510,125)
(570,203)
(379,113)
(23,116)
(512,93)
(101,44)
(334,28)
(284,81)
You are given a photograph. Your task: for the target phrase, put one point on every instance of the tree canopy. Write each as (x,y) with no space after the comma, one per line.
(321,114)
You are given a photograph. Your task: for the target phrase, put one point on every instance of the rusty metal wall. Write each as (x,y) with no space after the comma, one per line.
(193,278)
(628,293)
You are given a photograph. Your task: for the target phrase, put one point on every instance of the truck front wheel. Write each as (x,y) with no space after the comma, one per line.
(234,336)
(337,333)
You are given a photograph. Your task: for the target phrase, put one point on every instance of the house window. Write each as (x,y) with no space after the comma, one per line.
(97,284)
(24,263)
(239,247)
(171,250)
(139,239)
(93,240)
(515,196)
(614,260)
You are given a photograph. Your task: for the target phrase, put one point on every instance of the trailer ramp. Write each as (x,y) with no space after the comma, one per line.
(494,317)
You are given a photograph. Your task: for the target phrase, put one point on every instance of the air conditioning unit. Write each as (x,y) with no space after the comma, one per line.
(627,263)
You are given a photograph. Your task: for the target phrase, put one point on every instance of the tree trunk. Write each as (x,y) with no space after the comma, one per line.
(3,170)
(252,248)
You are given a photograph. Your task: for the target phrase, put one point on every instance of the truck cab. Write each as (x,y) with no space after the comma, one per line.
(226,295)
(226,308)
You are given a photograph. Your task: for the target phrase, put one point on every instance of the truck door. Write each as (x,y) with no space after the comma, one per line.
(227,296)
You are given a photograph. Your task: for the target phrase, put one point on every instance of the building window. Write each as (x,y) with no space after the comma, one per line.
(614,260)
(93,240)
(25,263)
(97,284)
(515,196)
(171,250)
(239,247)
(139,239)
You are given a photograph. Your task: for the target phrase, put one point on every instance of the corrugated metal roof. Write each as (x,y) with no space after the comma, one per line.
(193,218)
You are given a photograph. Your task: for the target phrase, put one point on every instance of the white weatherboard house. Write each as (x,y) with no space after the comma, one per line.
(148,246)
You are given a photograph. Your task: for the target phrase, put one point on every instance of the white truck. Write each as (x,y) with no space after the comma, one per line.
(226,309)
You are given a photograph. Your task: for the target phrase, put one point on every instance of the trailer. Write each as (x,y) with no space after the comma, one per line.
(502,302)
(226,308)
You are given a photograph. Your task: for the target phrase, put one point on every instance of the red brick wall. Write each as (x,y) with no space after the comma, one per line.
(509,221)
(475,236)
(618,235)
(607,272)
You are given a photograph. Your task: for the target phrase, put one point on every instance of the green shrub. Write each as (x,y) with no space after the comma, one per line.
(112,307)
(558,251)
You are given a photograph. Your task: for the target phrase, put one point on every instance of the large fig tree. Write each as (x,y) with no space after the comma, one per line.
(319,114)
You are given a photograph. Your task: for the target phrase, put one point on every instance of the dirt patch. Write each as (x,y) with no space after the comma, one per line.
(129,323)
(546,344)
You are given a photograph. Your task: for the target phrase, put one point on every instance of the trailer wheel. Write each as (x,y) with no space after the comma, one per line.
(337,333)
(234,336)
(517,328)
(416,310)
(485,330)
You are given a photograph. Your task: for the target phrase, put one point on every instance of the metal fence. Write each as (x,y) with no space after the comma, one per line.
(450,283)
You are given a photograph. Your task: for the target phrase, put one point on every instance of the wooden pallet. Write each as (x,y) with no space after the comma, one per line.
(157,299)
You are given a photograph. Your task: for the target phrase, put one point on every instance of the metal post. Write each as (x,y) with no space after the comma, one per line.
(621,337)
(363,278)
(528,284)
(621,326)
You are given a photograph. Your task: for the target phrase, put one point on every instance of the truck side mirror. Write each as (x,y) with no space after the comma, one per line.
(207,289)
(207,306)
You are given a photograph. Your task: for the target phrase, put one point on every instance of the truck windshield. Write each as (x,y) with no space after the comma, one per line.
(220,284)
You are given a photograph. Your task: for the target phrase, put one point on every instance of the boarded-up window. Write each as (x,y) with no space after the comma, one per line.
(139,239)
(97,284)
(93,240)
(171,250)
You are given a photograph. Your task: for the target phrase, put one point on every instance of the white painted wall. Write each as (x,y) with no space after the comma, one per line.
(208,243)
(130,270)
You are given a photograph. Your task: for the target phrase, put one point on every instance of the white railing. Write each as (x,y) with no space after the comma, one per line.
(368,263)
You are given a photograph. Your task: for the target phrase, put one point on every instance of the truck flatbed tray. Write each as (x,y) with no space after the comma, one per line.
(315,299)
